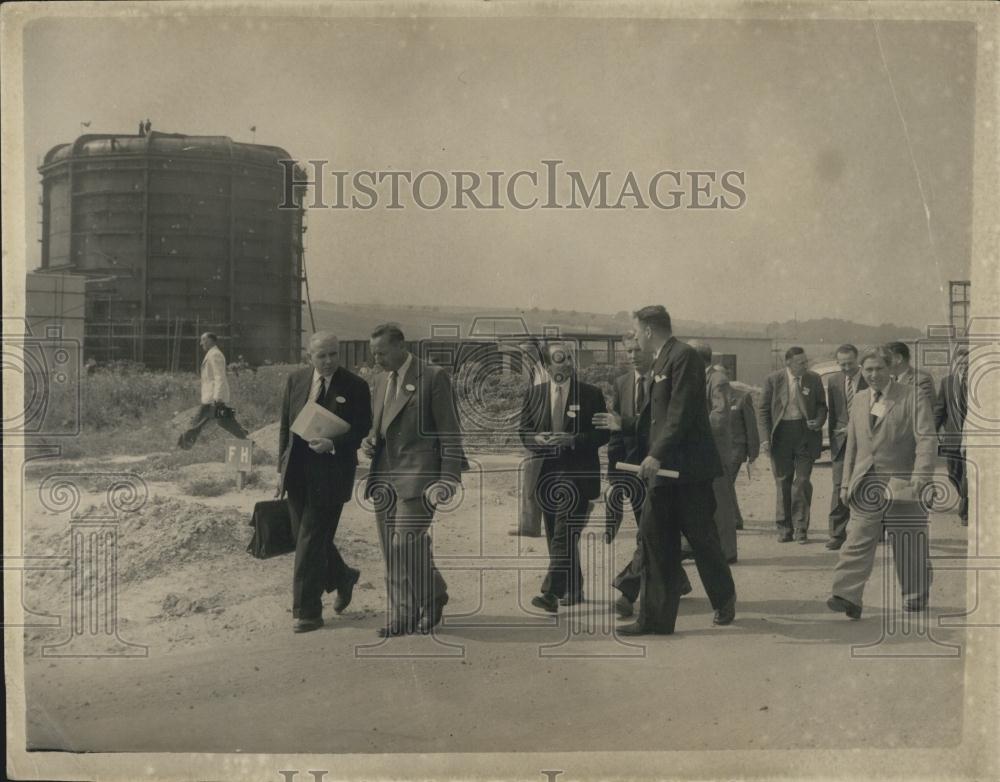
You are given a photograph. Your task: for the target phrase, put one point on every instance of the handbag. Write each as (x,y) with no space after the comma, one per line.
(272,530)
(222,410)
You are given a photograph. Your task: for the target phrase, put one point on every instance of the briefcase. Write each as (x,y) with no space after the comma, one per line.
(222,410)
(272,529)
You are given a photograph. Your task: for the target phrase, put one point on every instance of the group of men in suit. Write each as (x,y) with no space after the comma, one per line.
(408,426)
(673,418)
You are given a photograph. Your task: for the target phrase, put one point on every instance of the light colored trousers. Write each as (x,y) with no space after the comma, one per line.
(906,527)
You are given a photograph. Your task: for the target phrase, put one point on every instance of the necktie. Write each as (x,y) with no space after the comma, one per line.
(322,390)
(390,397)
(875,397)
(559,406)
(640,393)
(850,392)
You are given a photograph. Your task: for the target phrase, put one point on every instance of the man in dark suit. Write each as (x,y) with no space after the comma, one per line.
(791,416)
(746,437)
(319,478)
(950,409)
(680,439)
(557,425)
(529,515)
(717,397)
(628,423)
(840,391)
(417,460)
(906,375)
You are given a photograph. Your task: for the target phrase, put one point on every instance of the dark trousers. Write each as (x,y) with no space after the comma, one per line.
(624,486)
(413,582)
(318,563)
(563,527)
(205,414)
(959,479)
(529,521)
(792,466)
(671,509)
(839,512)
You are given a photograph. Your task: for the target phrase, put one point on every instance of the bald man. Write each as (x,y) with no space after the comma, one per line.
(319,478)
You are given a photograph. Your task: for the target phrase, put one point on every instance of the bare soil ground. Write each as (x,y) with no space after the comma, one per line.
(206,660)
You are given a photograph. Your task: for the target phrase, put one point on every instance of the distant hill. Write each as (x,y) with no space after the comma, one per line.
(355,321)
(827,330)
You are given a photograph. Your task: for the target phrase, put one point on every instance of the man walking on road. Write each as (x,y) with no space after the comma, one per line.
(214,395)
(841,390)
(791,416)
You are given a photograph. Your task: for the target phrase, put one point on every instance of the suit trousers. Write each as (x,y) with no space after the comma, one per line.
(203,416)
(958,476)
(671,509)
(529,520)
(318,563)
(839,512)
(563,527)
(413,582)
(727,514)
(737,458)
(907,535)
(792,466)
(625,486)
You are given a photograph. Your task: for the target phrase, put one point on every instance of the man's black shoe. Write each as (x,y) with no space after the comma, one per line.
(842,606)
(346,591)
(636,629)
(624,607)
(307,625)
(546,601)
(726,614)
(432,616)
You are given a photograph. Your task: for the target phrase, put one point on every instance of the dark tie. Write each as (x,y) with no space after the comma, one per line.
(875,397)
(850,392)
(640,393)
(322,390)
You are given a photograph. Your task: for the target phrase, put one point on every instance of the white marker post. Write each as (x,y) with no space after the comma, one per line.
(239,457)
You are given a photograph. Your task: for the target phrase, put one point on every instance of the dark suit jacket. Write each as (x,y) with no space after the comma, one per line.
(330,476)
(423,440)
(579,462)
(717,395)
(950,409)
(744,425)
(775,398)
(631,444)
(920,378)
(679,432)
(837,412)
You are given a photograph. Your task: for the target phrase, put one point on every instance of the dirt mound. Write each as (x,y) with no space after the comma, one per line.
(266,439)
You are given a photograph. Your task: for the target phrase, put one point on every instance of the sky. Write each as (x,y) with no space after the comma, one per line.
(858,188)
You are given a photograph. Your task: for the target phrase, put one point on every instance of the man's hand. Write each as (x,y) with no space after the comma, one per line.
(765,447)
(321,445)
(814,424)
(368,447)
(440,492)
(610,421)
(648,469)
(542,438)
(561,439)
(845,493)
(277,487)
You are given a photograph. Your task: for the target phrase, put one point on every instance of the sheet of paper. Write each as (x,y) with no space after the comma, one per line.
(314,421)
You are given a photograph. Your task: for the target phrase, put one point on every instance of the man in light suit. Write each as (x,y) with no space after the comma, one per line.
(319,478)
(840,392)
(950,410)
(680,439)
(416,450)
(214,395)
(628,423)
(557,424)
(718,396)
(906,375)
(890,460)
(791,415)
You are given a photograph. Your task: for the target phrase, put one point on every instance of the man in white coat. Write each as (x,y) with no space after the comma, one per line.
(214,395)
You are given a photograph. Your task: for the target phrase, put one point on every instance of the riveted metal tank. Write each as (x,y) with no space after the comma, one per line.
(178,235)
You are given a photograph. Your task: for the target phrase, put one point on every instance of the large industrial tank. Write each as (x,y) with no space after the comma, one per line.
(178,235)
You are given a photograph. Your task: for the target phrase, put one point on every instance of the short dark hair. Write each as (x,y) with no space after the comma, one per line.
(847,347)
(794,350)
(211,336)
(390,330)
(881,352)
(655,316)
(898,349)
